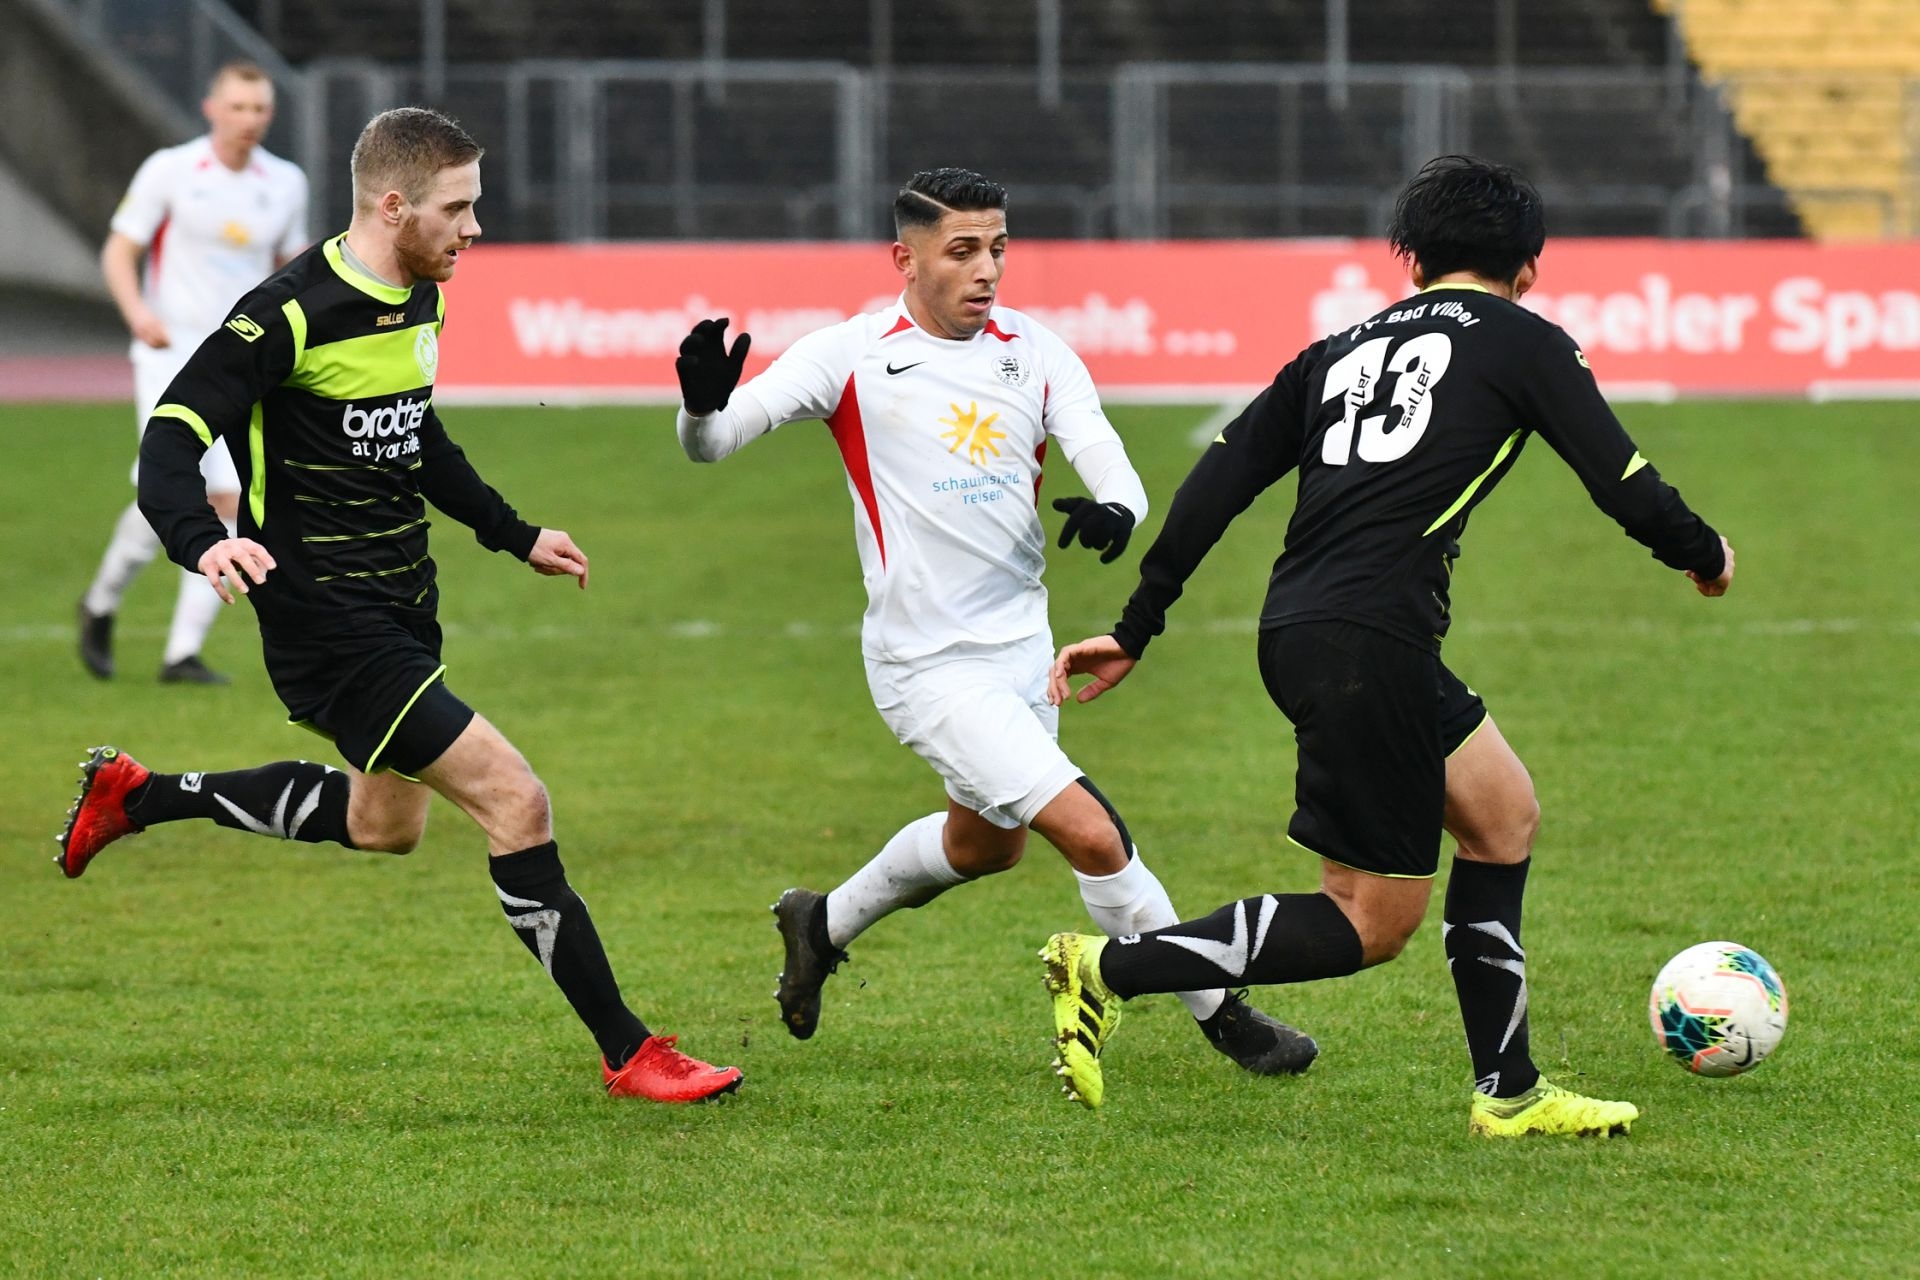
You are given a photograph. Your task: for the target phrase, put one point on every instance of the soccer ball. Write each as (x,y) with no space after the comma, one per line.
(1719,1008)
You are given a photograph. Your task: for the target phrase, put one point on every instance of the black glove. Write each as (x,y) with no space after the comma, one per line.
(708,371)
(1100,525)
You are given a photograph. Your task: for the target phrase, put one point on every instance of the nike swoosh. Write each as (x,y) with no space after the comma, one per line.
(903,368)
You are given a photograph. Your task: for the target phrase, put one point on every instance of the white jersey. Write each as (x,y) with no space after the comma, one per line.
(943,443)
(211,234)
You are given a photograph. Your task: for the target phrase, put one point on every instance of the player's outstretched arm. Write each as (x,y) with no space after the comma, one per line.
(555,554)
(1098,656)
(1563,398)
(449,482)
(211,396)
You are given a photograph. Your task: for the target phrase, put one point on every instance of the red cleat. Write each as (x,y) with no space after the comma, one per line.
(659,1072)
(99,816)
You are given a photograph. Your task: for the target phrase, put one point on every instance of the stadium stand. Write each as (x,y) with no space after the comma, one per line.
(1827,91)
(1612,146)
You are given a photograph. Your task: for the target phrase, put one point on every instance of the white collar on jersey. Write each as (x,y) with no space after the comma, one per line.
(903,321)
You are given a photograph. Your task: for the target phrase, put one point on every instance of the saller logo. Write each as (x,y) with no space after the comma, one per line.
(245,327)
(404,415)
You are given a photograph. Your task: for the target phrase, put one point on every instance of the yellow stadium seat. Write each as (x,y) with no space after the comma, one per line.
(1829,92)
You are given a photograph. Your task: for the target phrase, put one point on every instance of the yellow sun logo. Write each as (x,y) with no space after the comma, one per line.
(977,436)
(236,234)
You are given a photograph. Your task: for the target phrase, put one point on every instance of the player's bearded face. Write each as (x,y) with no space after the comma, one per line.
(953,270)
(433,232)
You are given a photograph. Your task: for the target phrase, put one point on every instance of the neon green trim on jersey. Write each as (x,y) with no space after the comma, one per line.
(440,306)
(1384,875)
(357,537)
(365,466)
(1472,288)
(296,320)
(374,573)
(1467,495)
(373,761)
(335,502)
(257,446)
(1634,464)
(364,283)
(181,413)
(365,368)
(1485,720)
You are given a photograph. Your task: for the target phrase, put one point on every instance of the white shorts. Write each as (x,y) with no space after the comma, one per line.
(152,371)
(979,715)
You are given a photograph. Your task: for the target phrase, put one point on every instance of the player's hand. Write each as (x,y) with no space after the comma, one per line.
(554,554)
(1715,586)
(235,559)
(147,328)
(1103,526)
(1100,657)
(708,371)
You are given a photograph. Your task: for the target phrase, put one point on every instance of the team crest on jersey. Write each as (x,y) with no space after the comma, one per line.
(1012,370)
(971,430)
(245,327)
(426,351)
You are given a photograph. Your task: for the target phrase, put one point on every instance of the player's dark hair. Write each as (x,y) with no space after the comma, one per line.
(238,69)
(932,194)
(1464,214)
(405,150)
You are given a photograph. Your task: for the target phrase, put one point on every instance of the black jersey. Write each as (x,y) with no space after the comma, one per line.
(321,383)
(1400,426)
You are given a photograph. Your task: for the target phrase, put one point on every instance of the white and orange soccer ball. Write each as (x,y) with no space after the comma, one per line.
(1718,1008)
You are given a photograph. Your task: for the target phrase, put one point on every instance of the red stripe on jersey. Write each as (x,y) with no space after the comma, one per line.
(851,436)
(153,253)
(901,326)
(995,330)
(1040,461)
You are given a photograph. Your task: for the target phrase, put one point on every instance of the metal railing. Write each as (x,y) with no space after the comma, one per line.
(711,148)
(177,45)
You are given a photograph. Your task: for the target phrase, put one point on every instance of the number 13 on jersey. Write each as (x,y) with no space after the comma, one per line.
(1418,365)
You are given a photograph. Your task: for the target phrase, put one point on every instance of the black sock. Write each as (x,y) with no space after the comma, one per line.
(1288,937)
(1482,938)
(291,800)
(552,920)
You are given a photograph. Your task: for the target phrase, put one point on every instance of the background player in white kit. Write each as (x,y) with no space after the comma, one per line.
(214,217)
(941,405)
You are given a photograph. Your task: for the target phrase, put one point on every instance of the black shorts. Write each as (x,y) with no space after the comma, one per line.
(374,685)
(1374,719)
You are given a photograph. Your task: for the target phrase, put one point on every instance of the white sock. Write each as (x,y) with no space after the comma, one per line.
(133,547)
(911,871)
(1134,901)
(194,609)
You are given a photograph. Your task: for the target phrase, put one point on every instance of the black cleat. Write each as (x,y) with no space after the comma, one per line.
(96,642)
(801,917)
(1260,1044)
(190,670)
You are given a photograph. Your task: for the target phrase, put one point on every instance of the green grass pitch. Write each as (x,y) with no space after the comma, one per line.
(222,1055)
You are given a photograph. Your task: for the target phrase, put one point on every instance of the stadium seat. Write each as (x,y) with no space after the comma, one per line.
(1829,92)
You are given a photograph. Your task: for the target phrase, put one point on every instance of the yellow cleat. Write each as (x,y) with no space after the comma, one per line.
(1547,1108)
(1085,1012)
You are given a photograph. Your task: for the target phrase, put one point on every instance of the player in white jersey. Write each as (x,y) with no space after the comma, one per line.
(942,406)
(213,217)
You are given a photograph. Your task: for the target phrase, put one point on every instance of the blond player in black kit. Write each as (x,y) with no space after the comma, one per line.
(321,383)
(1399,427)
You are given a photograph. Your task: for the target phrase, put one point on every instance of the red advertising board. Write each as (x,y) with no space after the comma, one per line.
(1195,320)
